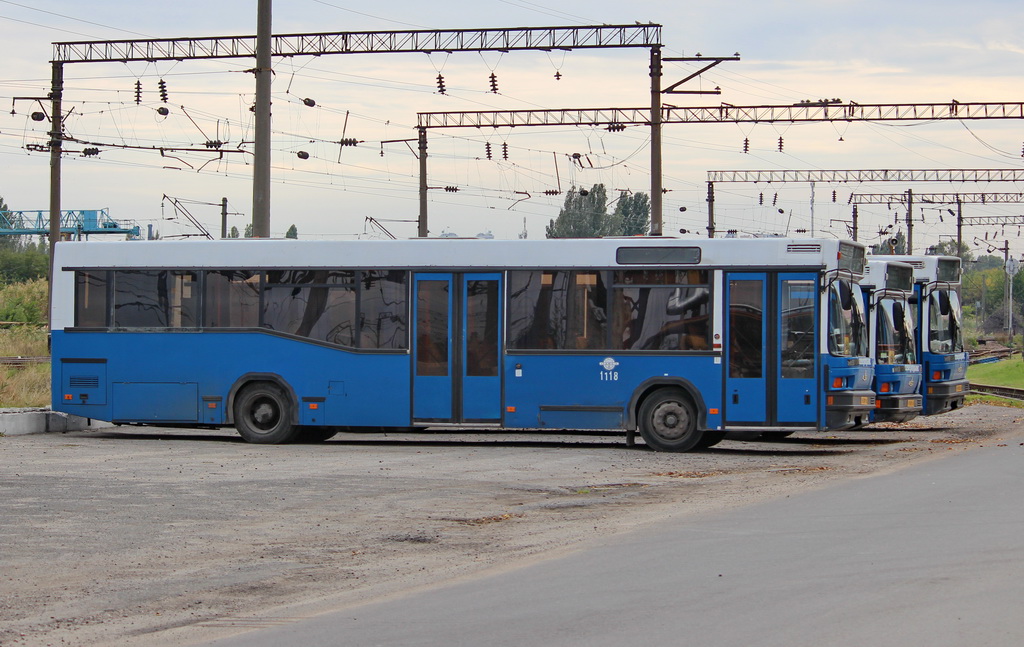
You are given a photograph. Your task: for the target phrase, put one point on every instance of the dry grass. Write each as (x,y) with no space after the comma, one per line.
(28,386)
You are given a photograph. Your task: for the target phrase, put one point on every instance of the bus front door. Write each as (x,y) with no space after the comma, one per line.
(456,348)
(771,349)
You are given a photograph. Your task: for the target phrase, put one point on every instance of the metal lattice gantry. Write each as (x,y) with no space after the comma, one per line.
(958,199)
(365,42)
(725,113)
(863,175)
(637,35)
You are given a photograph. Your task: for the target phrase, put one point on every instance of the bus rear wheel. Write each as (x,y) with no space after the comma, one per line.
(263,414)
(668,421)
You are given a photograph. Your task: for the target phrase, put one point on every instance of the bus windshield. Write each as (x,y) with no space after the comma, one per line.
(848,333)
(895,333)
(944,331)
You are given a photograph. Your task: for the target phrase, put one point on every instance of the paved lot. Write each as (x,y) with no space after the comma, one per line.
(159,536)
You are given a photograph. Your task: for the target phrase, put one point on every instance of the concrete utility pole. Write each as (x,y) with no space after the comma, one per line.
(261,159)
(656,173)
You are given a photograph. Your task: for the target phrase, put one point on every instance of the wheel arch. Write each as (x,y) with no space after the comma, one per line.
(649,386)
(249,378)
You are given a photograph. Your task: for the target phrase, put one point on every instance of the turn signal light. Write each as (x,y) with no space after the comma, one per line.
(837,383)
(937,375)
(885,388)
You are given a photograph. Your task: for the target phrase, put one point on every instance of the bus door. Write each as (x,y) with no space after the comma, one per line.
(797,356)
(456,348)
(771,349)
(746,350)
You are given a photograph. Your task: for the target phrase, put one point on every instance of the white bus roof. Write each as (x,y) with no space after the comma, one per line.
(461,253)
(928,268)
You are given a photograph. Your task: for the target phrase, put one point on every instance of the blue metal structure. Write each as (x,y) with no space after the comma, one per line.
(681,340)
(76,223)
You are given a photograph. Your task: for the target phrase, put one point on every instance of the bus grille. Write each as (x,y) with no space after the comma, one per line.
(84,381)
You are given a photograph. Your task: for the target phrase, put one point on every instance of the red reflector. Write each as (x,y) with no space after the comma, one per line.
(937,375)
(886,387)
(837,383)
(510,409)
(713,412)
(68,396)
(878,404)
(314,405)
(211,405)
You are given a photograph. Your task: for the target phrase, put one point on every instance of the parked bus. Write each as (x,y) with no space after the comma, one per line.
(888,289)
(940,341)
(288,340)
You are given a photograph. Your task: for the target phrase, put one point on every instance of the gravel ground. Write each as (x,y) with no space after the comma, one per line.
(133,536)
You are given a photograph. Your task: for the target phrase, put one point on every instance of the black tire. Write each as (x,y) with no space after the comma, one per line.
(668,421)
(264,414)
(314,435)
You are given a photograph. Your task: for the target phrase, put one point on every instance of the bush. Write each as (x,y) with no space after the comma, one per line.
(24,302)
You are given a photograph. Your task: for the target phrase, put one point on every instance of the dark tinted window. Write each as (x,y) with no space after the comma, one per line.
(155,299)
(383,322)
(232,299)
(91,299)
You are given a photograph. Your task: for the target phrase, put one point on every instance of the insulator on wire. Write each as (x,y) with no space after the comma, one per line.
(90,152)
(760,198)
(452,189)
(138,91)
(780,144)
(775,199)
(746,144)
(616,128)
(162,86)
(557,192)
(833,195)
(440,84)
(494,83)
(504,150)
(348,141)
(487,150)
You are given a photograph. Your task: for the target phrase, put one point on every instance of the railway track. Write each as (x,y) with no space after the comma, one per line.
(22,362)
(1001,391)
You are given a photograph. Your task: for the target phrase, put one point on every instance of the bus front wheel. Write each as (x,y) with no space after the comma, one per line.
(668,421)
(263,414)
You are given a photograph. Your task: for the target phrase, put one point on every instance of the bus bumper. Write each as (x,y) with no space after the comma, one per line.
(945,396)
(845,409)
(898,408)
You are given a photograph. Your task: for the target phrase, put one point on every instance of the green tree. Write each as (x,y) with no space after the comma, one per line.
(293,232)
(633,214)
(948,248)
(584,215)
(248,231)
(233,233)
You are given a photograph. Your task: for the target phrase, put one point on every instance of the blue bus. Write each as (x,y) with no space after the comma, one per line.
(681,340)
(939,335)
(888,289)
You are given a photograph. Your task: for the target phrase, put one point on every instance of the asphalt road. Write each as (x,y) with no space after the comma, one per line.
(928,555)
